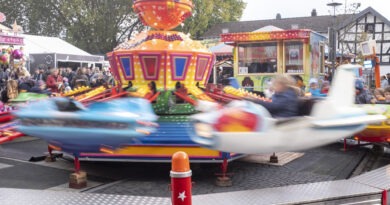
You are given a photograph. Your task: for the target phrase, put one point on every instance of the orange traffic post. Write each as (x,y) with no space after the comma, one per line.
(181,185)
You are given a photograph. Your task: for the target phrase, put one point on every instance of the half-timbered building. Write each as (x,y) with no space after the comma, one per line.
(364,26)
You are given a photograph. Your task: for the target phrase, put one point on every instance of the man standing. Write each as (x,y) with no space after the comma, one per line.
(38,75)
(70,75)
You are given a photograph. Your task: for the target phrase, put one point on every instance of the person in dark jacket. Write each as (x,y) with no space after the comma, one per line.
(38,74)
(81,79)
(40,88)
(26,85)
(285,99)
(99,81)
(70,74)
(362,95)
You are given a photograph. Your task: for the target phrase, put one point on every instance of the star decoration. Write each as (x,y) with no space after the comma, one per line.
(16,28)
(182,195)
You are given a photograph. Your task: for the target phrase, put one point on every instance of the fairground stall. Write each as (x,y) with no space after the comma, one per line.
(10,45)
(259,56)
(223,66)
(10,40)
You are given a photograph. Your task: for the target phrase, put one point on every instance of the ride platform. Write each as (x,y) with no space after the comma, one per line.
(368,188)
(159,147)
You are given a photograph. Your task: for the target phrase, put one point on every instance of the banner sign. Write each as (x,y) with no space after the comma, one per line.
(11,40)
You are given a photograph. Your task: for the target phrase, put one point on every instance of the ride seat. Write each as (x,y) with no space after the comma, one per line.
(305,105)
(67,105)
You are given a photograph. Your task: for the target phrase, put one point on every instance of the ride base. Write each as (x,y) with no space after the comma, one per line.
(368,188)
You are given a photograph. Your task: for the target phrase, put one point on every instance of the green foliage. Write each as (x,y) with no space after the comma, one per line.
(98,26)
(207,13)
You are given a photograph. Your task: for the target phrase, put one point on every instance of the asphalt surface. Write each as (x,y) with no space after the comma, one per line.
(152,179)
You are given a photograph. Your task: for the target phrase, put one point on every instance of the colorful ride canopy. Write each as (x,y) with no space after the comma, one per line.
(163,14)
(165,57)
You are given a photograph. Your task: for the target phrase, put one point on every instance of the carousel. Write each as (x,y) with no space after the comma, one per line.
(168,69)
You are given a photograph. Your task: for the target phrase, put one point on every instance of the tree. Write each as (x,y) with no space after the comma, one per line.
(207,13)
(95,26)
(98,26)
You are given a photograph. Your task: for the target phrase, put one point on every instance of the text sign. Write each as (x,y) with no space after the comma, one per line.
(11,40)
(368,64)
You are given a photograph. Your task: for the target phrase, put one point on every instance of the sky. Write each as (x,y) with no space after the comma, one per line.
(267,9)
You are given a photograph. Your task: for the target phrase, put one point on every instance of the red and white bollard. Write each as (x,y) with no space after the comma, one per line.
(181,184)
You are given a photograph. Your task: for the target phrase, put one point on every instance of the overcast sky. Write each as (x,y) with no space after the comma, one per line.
(267,9)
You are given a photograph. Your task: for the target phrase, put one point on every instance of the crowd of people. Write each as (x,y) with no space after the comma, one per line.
(52,80)
(379,95)
(382,95)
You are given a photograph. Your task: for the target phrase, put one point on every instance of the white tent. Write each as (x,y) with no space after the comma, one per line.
(43,44)
(52,51)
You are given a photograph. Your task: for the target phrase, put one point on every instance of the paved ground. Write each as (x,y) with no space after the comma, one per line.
(321,164)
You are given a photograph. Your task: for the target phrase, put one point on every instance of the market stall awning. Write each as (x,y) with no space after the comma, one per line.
(222,49)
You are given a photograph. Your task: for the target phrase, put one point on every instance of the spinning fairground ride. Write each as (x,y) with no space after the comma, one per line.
(164,67)
(164,74)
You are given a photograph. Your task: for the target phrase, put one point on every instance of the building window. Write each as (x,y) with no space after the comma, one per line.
(293,57)
(257,58)
(370,28)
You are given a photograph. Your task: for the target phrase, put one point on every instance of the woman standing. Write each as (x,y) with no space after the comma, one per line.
(54,81)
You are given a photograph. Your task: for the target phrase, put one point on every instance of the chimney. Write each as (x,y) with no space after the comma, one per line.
(278,16)
(314,12)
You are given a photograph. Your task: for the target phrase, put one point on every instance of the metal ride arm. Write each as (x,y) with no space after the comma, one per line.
(9,135)
(154,97)
(186,98)
(113,96)
(223,97)
(108,94)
